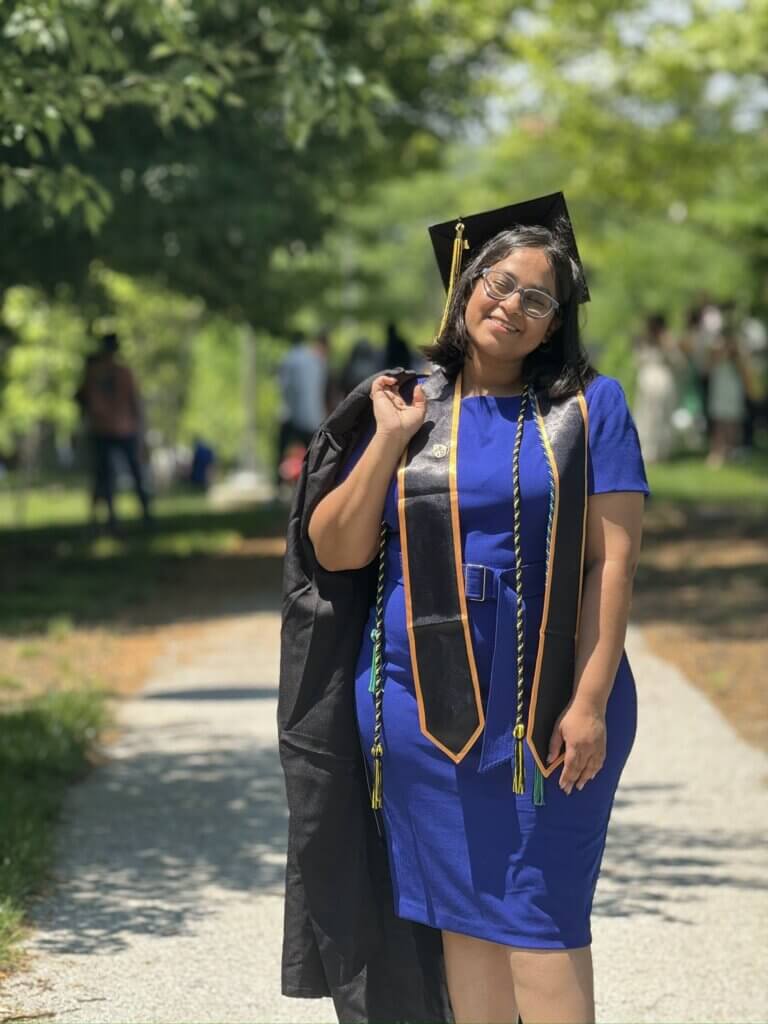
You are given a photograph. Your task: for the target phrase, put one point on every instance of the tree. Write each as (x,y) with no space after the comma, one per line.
(254,125)
(203,147)
(650,118)
(66,65)
(659,109)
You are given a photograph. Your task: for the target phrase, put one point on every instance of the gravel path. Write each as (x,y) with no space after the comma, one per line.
(168,904)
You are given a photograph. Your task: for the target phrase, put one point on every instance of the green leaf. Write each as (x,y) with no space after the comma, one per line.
(160,51)
(82,134)
(33,145)
(233,99)
(13,192)
(93,216)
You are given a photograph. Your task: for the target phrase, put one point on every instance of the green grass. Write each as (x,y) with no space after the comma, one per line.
(44,747)
(65,574)
(63,503)
(743,485)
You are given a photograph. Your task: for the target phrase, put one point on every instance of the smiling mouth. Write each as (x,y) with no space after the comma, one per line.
(505,324)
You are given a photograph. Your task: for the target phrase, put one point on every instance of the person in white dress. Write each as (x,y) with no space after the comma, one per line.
(728,387)
(655,390)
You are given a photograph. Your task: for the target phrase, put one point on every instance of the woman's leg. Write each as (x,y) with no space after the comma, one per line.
(130,449)
(716,444)
(553,986)
(104,482)
(479,980)
(731,432)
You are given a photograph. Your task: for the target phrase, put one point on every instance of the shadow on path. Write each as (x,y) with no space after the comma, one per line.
(156,835)
(661,870)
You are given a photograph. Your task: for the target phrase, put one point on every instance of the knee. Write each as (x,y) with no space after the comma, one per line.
(556,971)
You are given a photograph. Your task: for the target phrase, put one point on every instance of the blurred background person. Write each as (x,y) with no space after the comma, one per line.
(753,343)
(703,324)
(97,497)
(363,361)
(201,465)
(396,350)
(728,388)
(333,390)
(656,391)
(302,378)
(111,403)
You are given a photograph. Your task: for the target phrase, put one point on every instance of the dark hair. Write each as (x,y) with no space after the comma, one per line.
(655,324)
(693,317)
(563,368)
(109,342)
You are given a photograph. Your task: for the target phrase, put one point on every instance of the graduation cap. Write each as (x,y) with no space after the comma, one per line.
(453,238)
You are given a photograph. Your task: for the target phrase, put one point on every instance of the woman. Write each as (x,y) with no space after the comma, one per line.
(729,386)
(501,853)
(655,390)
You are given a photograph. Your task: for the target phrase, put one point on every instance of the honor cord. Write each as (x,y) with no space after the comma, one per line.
(377,634)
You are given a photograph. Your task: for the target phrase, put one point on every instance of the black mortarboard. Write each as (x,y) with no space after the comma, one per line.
(452,239)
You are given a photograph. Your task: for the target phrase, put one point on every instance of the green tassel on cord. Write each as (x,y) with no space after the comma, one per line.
(538,787)
(374,663)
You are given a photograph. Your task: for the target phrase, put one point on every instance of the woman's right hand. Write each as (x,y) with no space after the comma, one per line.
(394,417)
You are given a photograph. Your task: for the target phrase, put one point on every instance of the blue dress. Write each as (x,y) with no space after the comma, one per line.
(465,853)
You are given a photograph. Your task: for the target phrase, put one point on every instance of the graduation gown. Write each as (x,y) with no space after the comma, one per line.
(341,936)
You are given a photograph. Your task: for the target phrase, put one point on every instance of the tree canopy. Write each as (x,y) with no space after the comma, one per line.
(240,162)
(192,140)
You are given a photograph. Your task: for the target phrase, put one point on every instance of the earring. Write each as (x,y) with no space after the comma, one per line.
(546,345)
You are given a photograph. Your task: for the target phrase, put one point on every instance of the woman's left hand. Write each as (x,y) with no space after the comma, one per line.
(581,727)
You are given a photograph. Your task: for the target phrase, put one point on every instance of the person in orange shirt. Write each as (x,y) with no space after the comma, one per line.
(112,406)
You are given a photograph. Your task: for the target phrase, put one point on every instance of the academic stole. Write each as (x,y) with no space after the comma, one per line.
(442,658)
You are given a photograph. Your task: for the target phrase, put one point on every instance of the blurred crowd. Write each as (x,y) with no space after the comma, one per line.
(310,387)
(701,389)
(121,450)
(704,388)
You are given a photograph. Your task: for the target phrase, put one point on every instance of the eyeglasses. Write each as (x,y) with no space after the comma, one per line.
(500,285)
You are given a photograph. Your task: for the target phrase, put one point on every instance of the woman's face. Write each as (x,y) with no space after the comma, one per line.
(500,328)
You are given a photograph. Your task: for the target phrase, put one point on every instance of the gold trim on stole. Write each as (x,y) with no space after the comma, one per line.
(463,613)
(585,416)
(547,769)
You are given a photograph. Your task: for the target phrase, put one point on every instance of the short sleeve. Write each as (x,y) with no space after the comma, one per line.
(615,461)
(356,453)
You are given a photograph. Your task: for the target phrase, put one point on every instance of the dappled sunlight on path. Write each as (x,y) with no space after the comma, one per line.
(168,902)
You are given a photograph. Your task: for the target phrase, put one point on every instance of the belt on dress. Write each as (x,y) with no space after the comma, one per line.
(486,583)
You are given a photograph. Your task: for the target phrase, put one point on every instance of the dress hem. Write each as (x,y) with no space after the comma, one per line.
(414,912)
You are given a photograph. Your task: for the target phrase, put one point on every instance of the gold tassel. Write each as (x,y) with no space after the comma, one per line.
(459,244)
(377,752)
(518,781)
